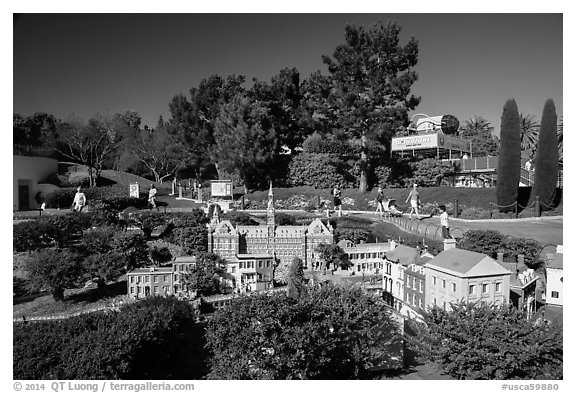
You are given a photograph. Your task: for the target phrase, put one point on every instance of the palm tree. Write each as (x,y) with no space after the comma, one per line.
(529,131)
(477,125)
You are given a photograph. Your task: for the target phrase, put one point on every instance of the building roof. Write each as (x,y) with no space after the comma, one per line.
(466,263)
(348,246)
(185,259)
(158,270)
(403,254)
(253,256)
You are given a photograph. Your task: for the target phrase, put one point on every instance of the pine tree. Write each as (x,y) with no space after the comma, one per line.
(546,162)
(296,279)
(509,157)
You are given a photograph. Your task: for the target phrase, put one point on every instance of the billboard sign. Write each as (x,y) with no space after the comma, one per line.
(449,142)
(221,188)
(426,141)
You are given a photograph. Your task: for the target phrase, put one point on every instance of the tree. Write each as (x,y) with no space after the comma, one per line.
(193,120)
(329,333)
(57,269)
(246,143)
(205,277)
(104,267)
(39,130)
(483,241)
(528,134)
(147,221)
(509,157)
(91,143)
(133,247)
(160,255)
(296,282)
(333,257)
(429,172)
(479,341)
(560,134)
(161,152)
(479,131)
(546,162)
(371,77)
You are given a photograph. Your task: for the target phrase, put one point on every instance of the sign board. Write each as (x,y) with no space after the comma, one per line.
(134,190)
(426,141)
(450,142)
(221,188)
(430,141)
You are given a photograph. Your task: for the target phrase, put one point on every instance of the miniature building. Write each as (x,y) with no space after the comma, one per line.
(365,257)
(250,272)
(151,281)
(283,242)
(555,278)
(455,275)
(522,284)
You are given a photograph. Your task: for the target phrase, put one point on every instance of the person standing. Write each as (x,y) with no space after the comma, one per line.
(79,200)
(152,198)
(337,193)
(380,201)
(414,198)
(444,222)
(529,166)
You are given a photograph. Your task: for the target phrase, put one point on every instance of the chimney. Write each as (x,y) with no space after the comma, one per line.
(500,257)
(449,243)
(520,259)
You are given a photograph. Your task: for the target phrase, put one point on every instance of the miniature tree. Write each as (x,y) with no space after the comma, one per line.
(509,157)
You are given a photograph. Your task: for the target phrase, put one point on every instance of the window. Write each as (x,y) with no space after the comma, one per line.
(472,290)
(132,280)
(147,278)
(155,279)
(176,277)
(165,277)
(497,287)
(434,301)
(453,287)
(484,288)
(233,269)
(443,283)
(138,290)
(555,294)
(444,305)
(421,286)
(132,290)
(138,279)
(420,303)
(156,289)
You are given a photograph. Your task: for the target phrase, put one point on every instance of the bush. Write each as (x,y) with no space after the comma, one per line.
(478,341)
(475,213)
(49,231)
(155,338)
(328,333)
(285,219)
(429,172)
(60,199)
(486,242)
(319,170)
(355,235)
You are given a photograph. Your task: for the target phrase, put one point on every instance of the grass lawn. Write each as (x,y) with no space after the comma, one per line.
(76,300)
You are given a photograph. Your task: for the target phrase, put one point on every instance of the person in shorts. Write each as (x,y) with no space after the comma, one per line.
(337,194)
(152,198)
(380,201)
(79,200)
(444,222)
(414,198)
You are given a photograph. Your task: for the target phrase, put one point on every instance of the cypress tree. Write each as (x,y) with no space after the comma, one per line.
(509,157)
(546,161)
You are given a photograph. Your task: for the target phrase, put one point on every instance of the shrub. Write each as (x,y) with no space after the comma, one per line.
(49,231)
(155,338)
(475,213)
(355,235)
(486,242)
(147,220)
(239,218)
(61,198)
(328,333)
(318,170)
(429,172)
(478,341)
(285,219)
(509,157)
(383,175)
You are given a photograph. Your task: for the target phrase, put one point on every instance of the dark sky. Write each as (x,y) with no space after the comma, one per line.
(469,64)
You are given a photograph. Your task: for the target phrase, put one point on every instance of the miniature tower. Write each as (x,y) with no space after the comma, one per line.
(270,210)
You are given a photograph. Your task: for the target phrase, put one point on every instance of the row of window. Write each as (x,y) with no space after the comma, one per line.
(417,285)
(140,290)
(411,299)
(366,255)
(252,264)
(485,287)
(183,267)
(146,278)
(368,266)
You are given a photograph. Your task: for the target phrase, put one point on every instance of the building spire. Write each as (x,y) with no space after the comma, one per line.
(270,210)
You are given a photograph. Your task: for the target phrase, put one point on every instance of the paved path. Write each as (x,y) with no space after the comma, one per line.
(545,230)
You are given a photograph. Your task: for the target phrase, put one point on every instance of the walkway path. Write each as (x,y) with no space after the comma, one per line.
(545,230)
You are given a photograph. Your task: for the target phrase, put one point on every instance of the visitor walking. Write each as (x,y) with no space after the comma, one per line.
(414,199)
(79,200)
(380,202)
(444,222)
(337,193)
(529,165)
(40,200)
(152,198)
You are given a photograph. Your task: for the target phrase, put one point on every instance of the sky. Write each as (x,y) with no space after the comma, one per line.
(469,64)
